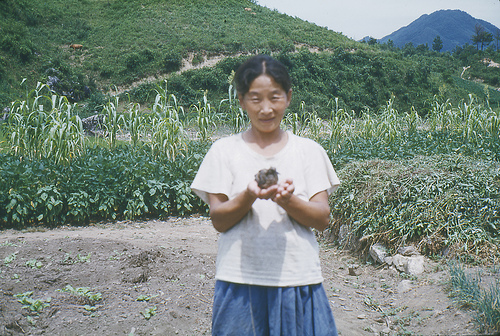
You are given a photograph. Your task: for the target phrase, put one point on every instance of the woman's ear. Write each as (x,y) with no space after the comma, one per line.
(289,97)
(242,102)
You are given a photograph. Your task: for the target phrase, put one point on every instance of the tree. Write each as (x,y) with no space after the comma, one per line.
(497,36)
(481,36)
(437,44)
(372,41)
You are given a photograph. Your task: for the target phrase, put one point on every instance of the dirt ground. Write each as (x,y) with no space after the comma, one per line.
(156,278)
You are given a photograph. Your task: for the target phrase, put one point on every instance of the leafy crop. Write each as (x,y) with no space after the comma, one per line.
(149,312)
(33,263)
(10,258)
(33,305)
(89,297)
(439,205)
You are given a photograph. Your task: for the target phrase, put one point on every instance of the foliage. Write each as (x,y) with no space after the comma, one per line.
(150,175)
(102,183)
(33,305)
(433,201)
(469,291)
(85,293)
(124,41)
(31,131)
(128,41)
(149,312)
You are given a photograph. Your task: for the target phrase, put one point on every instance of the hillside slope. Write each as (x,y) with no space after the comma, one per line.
(126,40)
(455,28)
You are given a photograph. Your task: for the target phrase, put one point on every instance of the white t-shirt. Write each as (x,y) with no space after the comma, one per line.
(267,247)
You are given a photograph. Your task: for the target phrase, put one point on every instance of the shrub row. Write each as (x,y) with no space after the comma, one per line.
(101,184)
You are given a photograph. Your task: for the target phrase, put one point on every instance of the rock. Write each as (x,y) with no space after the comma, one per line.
(353,270)
(415,265)
(408,251)
(94,124)
(412,265)
(404,286)
(378,253)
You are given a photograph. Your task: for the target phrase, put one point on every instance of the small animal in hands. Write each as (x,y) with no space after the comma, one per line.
(266,177)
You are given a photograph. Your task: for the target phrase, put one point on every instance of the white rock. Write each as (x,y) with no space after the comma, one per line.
(408,251)
(378,253)
(415,265)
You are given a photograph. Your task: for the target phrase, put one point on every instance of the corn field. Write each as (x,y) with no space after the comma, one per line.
(45,125)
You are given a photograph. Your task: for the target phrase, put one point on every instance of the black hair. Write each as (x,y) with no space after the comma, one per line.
(261,65)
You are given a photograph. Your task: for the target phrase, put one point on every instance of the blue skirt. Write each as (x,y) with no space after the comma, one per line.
(246,310)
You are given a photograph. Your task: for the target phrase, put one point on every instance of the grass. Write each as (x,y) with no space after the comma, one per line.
(470,291)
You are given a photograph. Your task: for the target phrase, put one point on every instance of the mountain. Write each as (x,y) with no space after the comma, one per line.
(454,27)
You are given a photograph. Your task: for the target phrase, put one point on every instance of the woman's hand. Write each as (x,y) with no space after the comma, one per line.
(226,213)
(257,192)
(284,192)
(313,213)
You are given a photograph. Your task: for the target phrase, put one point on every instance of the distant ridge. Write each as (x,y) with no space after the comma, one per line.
(454,27)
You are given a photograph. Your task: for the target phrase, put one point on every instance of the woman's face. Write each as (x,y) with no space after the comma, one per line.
(265,102)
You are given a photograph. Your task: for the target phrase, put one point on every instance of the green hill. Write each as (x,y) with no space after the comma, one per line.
(124,42)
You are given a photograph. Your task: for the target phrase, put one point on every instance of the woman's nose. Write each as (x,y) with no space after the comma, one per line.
(266,106)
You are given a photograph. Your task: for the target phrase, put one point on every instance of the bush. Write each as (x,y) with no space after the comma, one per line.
(172,62)
(101,184)
(432,201)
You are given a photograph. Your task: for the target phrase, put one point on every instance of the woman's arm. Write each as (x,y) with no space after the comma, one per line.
(226,213)
(314,213)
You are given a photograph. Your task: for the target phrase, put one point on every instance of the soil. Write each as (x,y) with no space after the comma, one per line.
(157,277)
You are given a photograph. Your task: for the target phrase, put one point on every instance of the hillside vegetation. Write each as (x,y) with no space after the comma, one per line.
(126,41)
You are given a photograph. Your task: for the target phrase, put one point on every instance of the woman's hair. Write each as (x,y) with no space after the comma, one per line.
(261,65)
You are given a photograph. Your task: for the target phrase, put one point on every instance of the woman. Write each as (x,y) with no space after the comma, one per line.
(268,278)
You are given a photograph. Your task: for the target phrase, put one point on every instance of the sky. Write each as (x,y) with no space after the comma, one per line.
(377,18)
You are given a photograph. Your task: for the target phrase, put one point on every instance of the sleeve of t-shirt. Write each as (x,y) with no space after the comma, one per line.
(214,175)
(320,174)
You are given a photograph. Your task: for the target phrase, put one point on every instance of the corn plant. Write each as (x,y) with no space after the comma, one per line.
(65,138)
(206,118)
(35,133)
(112,121)
(339,126)
(135,123)
(168,136)
(238,119)
(297,121)
(27,123)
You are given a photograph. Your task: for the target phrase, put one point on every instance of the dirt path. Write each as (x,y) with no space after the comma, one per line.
(157,277)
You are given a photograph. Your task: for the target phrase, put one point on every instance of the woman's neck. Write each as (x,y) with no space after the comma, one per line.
(266,144)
